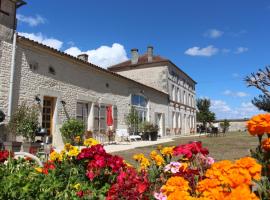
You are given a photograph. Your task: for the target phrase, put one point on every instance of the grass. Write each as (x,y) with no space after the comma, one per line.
(232,146)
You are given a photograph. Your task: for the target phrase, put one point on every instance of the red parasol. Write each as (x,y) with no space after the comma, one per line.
(109,116)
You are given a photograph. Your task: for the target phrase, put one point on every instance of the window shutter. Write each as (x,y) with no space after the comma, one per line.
(115,117)
(96,117)
(102,118)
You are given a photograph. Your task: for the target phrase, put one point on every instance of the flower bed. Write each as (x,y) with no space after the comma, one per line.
(167,173)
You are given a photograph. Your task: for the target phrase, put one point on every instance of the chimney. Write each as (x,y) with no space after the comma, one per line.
(83,57)
(150,53)
(134,56)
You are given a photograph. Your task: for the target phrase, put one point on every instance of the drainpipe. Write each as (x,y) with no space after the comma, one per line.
(12,75)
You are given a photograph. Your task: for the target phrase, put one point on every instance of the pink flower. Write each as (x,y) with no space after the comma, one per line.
(210,160)
(173,167)
(160,196)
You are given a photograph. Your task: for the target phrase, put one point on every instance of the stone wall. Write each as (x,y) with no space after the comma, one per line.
(153,76)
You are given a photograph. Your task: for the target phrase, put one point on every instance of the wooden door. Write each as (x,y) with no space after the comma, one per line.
(47,114)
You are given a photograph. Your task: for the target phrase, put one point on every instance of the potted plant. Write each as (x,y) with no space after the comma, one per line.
(71,130)
(24,122)
(153,129)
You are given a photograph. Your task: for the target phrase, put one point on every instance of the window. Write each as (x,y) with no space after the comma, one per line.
(82,113)
(173,93)
(177,95)
(100,117)
(140,104)
(184,97)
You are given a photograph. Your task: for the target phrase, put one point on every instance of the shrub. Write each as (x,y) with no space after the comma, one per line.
(24,122)
(72,129)
(2,116)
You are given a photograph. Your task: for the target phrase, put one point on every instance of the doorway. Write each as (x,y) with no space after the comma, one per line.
(47,114)
(160,122)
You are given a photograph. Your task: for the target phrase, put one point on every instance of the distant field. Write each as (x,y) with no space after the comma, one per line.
(232,146)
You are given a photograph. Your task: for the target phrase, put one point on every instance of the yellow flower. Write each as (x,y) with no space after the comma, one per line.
(67,146)
(157,158)
(159,147)
(74,151)
(144,162)
(167,151)
(38,169)
(90,142)
(54,156)
(77,186)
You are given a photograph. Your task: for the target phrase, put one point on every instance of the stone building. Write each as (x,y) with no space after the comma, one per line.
(65,86)
(164,75)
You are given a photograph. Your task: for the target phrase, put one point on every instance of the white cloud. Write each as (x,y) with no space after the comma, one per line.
(206,51)
(213,33)
(241,50)
(224,111)
(39,37)
(103,56)
(235,94)
(31,21)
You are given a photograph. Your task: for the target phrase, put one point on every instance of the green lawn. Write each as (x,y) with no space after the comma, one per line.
(232,146)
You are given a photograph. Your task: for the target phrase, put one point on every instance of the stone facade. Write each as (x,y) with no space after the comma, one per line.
(163,75)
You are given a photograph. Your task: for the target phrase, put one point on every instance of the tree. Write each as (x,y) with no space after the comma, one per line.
(133,120)
(225,125)
(262,102)
(204,115)
(261,80)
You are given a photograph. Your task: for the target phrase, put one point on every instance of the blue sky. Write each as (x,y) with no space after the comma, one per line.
(217,43)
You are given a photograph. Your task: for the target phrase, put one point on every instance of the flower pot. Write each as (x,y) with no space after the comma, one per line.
(12,146)
(31,147)
(153,136)
(145,136)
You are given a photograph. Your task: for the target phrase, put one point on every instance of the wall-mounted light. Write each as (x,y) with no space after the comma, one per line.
(63,103)
(37,99)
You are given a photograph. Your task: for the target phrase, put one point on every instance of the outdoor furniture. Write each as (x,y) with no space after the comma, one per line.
(135,137)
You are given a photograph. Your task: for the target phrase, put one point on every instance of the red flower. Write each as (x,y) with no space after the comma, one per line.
(129,185)
(188,150)
(80,193)
(4,155)
(48,166)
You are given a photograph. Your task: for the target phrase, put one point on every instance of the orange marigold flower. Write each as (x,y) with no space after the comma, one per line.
(259,124)
(251,165)
(174,184)
(178,194)
(241,192)
(266,144)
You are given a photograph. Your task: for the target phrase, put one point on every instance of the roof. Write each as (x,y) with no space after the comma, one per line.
(34,43)
(143,60)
